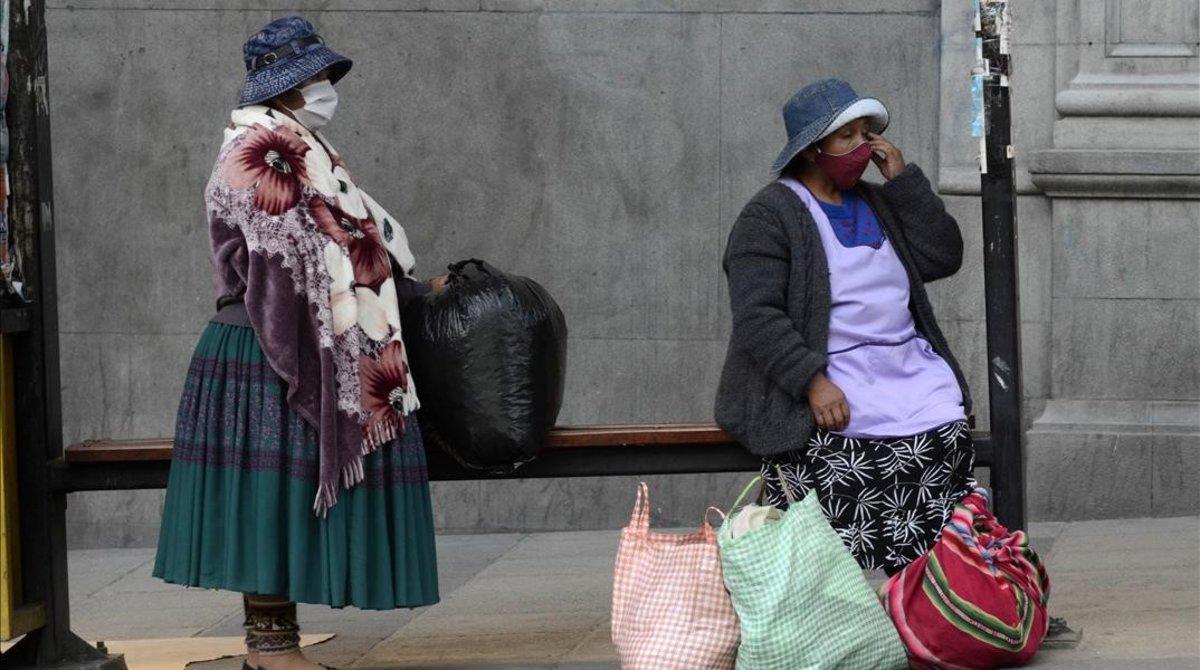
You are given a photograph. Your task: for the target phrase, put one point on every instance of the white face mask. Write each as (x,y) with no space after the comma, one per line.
(320,102)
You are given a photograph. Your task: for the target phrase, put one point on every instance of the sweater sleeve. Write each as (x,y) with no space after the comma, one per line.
(408,288)
(757,264)
(932,234)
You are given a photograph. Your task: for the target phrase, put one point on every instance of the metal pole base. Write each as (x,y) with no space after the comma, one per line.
(79,656)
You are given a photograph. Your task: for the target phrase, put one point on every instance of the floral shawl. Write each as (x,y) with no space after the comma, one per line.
(313,259)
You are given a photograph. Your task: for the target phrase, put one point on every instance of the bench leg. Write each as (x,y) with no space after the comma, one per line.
(71,653)
(53,645)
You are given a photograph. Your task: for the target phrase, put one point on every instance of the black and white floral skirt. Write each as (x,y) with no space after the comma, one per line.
(888,499)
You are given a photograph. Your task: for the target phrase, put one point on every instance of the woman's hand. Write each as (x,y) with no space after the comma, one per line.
(887,157)
(438,284)
(828,403)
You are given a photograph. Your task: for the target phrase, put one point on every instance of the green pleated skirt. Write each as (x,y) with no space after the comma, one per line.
(239,505)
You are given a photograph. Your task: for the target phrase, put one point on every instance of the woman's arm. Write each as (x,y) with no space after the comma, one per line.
(932,234)
(757,263)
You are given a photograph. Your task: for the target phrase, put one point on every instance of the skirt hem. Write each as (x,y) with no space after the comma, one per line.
(221,585)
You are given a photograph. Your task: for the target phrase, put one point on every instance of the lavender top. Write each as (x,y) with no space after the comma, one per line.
(894,382)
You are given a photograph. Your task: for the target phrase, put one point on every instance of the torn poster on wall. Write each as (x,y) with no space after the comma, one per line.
(978,123)
(10,258)
(992,23)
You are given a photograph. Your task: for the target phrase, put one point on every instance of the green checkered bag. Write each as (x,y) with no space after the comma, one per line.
(802,600)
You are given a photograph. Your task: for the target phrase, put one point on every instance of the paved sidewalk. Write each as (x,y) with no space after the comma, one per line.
(541,601)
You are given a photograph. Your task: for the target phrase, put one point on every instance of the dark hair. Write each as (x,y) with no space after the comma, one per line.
(796,166)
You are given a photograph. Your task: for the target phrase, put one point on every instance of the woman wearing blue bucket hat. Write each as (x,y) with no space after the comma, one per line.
(836,371)
(299,472)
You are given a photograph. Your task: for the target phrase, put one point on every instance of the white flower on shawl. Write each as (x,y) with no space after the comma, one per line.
(394,237)
(241,121)
(341,288)
(378,313)
(349,198)
(319,168)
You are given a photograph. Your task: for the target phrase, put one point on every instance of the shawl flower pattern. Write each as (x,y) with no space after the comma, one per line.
(360,236)
(272,164)
(290,196)
(385,382)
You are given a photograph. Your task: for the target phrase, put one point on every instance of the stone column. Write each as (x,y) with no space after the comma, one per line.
(1120,433)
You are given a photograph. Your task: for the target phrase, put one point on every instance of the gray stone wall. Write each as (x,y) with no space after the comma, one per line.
(1120,434)
(1106,98)
(602,147)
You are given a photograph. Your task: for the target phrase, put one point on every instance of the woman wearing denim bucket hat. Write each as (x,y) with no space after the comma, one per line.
(299,472)
(837,371)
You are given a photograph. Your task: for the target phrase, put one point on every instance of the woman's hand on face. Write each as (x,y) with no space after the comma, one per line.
(828,403)
(438,284)
(887,157)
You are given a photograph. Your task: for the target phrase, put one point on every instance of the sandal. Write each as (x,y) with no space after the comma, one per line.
(1059,635)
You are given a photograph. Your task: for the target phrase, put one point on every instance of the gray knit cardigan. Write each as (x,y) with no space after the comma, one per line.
(779,293)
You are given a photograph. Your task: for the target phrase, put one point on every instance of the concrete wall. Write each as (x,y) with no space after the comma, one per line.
(602,147)
(1106,98)
(1120,434)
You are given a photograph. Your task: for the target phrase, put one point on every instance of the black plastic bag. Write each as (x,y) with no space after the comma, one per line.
(489,357)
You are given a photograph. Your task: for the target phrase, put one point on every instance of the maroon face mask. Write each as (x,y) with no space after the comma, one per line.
(845,169)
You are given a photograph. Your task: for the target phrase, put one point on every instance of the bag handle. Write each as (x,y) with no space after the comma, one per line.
(742,495)
(457,268)
(640,519)
(709,511)
(706,527)
(787,490)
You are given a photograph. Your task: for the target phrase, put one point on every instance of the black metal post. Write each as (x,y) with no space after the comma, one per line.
(1000,285)
(36,372)
(1000,270)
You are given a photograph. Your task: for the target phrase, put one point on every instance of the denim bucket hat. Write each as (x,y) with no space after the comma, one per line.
(820,108)
(282,55)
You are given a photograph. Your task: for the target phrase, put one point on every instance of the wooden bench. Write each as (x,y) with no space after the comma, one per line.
(571,451)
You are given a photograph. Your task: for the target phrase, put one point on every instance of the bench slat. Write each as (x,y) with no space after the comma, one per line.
(564,437)
(119,451)
(571,451)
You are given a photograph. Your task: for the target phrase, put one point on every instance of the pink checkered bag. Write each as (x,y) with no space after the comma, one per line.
(670,608)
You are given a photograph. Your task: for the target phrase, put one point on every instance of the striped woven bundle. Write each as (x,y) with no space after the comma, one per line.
(976,600)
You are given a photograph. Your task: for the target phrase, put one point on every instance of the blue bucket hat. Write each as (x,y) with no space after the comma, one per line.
(283,55)
(820,108)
